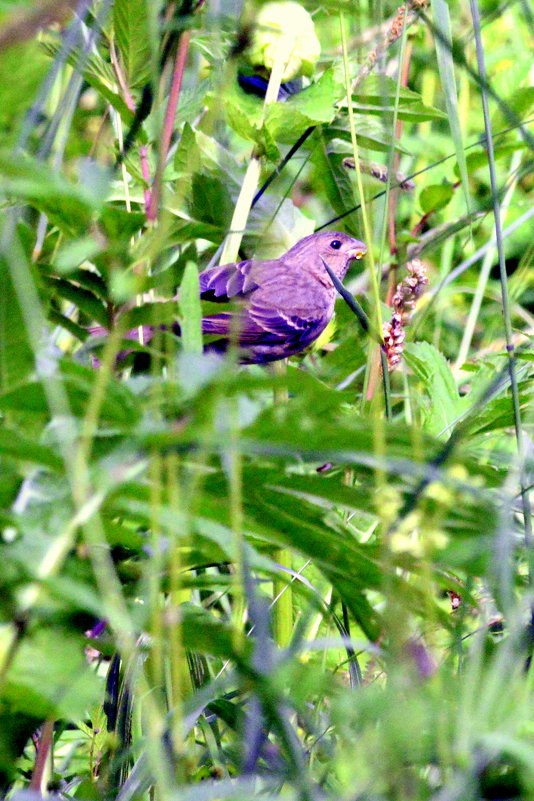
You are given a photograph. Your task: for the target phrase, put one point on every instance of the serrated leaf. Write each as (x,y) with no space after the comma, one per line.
(444,404)
(99,75)
(131,25)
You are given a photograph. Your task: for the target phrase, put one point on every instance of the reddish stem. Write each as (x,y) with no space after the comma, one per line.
(128,99)
(374,373)
(43,747)
(396,159)
(168,124)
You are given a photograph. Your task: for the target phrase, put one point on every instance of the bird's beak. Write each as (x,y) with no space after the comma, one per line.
(358,252)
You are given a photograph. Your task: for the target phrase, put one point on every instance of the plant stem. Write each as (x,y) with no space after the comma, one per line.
(485,271)
(252,176)
(282,592)
(503,279)
(168,123)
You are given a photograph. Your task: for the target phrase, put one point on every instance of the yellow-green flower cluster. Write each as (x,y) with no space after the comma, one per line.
(285,31)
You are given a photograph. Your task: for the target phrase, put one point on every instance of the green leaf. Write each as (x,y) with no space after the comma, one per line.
(413,112)
(83,299)
(50,677)
(131,19)
(435,197)
(19,447)
(335,181)
(69,206)
(72,254)
(28,62)
(190,310)
(370,134)
(119,405)
(16,356)
(315,105)
(376,89)
(444,405)
(98,74)
(199,157)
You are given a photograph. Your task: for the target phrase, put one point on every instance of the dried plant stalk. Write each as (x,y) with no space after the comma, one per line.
(403,302)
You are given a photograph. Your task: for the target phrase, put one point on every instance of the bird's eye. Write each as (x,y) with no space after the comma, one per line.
(335,244)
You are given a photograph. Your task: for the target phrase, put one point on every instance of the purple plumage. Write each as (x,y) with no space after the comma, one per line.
(284,304)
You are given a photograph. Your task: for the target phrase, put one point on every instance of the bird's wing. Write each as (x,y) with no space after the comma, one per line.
(268,318)
(230,280)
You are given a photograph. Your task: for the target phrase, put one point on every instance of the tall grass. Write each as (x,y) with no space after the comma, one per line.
(219,581)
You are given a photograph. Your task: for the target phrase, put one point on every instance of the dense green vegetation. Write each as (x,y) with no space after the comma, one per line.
(308,581)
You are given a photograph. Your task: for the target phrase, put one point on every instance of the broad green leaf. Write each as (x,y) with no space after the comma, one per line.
(119,405)
(315,105)
(412,112)
(69,206)
(198,157)
(377,88)
(335,181)
(28,63)
(24,449)
(378,93)
(435,197)
(50,677)
(370,134)
(72,254)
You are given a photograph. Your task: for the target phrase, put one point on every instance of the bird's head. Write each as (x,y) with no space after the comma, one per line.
(335,248)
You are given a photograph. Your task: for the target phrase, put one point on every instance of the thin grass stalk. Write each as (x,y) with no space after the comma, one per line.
(77,473)
(395,158)
(375,288)
(391,153)
(41,768)
(155,570)
(64,114)
(485,271)
(178,664)
(282,592)
(374,277)
(507,316)
(168,124)
(444,53)
(417,173)
(483,83)
(252,176)
(235,479)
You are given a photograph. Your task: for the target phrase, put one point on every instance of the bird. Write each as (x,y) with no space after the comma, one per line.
(281,306)
(286,303)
